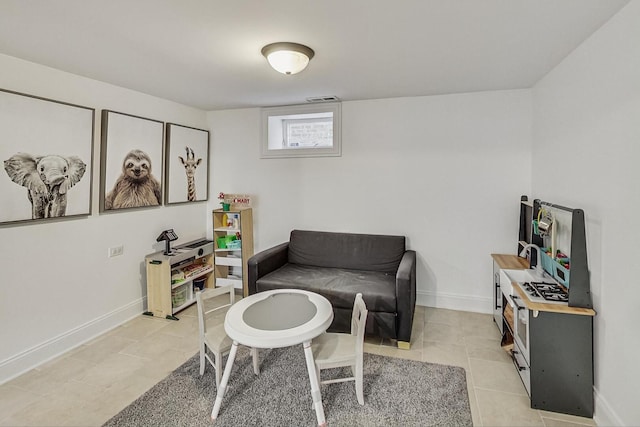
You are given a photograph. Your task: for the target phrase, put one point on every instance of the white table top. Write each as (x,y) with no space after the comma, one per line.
(278,318)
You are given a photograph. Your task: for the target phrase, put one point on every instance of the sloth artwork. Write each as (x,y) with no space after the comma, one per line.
(47,179)
(135,186)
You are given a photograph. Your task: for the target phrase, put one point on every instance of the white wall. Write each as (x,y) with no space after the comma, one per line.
(445,171)
(58,287)
(586,153)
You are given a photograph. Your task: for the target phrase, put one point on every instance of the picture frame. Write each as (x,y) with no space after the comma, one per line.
(131,163)
(47,154)
(187,164)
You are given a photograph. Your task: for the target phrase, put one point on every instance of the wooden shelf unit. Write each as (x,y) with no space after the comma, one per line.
(164,298)
(230,265)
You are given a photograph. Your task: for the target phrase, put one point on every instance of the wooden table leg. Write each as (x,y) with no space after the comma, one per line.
(225,380)
(315,386)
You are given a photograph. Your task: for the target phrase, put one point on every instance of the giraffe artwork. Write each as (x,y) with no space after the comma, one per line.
(190,165)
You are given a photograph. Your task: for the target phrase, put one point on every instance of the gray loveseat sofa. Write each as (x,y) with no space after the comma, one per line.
(338,266)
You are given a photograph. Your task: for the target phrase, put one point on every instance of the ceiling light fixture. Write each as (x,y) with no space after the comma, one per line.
(288,58)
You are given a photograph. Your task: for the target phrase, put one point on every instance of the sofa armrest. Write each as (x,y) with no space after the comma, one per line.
(265,262)
(406,295)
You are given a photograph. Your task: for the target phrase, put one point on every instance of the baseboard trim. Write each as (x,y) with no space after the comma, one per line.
(603,415)
(454,301)
(22,362)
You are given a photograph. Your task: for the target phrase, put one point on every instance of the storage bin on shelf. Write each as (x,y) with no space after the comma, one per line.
(177,276)
(561,272)
(547,261)
(179,296)
(224,241)
(199,284)
(558,268)
(234,244)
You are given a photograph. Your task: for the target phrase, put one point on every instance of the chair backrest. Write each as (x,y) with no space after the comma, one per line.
(204,309)
(358,321)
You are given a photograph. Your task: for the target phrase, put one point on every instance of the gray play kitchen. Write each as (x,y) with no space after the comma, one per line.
(543,308)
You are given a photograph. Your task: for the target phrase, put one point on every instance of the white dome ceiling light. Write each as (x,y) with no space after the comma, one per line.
(288,58)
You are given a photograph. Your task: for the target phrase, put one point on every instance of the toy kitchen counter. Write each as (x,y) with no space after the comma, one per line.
(547,331)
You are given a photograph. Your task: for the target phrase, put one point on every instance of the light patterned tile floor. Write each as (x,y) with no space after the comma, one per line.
(90,384)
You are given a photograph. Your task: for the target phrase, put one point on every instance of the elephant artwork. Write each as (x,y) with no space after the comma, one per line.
(47,179)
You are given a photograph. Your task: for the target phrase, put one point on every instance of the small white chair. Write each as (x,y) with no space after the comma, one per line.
(214,336)
(334,350)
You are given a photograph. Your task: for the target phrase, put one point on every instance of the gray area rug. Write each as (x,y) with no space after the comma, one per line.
(397,392)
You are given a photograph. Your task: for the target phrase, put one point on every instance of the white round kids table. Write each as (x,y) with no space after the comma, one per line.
(274,319)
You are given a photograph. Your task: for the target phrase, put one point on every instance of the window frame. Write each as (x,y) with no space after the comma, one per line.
(295,110)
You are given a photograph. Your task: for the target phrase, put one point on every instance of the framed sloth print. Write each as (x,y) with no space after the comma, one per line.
(131,173)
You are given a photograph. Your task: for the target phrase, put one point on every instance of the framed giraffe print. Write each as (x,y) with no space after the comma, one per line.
(187,164)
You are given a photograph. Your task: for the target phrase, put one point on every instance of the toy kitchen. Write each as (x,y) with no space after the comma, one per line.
(543,308)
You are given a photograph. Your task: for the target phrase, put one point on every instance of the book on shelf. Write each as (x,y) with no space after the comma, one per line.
(193,269)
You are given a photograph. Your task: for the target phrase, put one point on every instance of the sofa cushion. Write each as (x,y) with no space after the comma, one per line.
(338,285)
(346,250)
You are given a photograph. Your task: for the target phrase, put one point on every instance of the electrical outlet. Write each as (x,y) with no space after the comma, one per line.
(116,251)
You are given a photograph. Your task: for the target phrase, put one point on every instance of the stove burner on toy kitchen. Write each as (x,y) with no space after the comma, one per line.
(552,292)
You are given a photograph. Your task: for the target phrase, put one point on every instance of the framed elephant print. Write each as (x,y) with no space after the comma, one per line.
(47,151)
(131,173)
(187,164)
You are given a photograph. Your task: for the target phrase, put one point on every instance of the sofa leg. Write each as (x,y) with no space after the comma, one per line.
(403,345)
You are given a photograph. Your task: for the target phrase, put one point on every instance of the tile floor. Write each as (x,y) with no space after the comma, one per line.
(90,384)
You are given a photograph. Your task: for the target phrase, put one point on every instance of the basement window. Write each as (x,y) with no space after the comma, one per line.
(301,131)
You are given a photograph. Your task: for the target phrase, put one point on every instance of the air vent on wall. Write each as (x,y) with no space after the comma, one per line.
(323,99)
